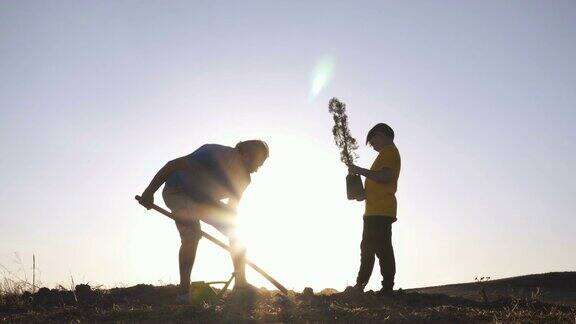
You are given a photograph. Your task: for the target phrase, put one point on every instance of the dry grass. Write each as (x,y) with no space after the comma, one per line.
(14,283)
(11,289)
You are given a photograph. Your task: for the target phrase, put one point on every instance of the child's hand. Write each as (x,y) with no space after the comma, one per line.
(354,169)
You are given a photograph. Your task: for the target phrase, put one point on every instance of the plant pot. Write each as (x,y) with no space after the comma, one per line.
(354,187)
(201,292)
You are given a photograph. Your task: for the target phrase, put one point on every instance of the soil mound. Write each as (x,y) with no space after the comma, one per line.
(553,287)
(153,304)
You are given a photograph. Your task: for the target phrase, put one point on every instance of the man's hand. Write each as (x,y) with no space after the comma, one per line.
(147,199)
(232,205)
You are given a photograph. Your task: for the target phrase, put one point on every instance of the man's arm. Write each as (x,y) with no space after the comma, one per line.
(161,176)
(383,175)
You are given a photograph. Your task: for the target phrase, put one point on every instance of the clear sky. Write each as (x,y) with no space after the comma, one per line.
(95,96)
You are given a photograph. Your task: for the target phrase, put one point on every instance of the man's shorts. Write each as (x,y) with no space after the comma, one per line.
(184,207)
(190,212)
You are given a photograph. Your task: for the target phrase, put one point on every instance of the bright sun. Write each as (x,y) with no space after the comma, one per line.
(290,202)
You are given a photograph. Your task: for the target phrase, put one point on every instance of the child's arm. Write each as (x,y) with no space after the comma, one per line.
(383,175)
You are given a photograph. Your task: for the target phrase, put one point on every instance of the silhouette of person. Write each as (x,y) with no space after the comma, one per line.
(195,186)
(380,208)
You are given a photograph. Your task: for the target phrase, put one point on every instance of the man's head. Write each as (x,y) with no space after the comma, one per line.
(380,136)
(254,153)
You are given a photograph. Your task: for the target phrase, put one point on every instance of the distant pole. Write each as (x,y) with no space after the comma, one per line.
(33,273)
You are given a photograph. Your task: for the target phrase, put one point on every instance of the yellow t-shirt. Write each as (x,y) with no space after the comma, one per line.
(380,199)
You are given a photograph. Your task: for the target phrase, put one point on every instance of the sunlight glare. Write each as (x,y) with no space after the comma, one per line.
(292,215)
(322,75)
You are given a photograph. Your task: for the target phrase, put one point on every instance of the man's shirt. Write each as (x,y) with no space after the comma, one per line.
(380,197)
(222,174)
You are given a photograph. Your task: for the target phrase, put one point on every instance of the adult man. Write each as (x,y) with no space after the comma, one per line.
(195,186)
(380,210)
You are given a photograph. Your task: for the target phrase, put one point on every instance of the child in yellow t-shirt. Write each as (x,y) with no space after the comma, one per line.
(380,212)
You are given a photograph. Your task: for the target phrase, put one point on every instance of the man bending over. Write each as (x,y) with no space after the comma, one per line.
(195,186)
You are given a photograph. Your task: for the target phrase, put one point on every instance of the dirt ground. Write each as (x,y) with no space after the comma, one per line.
(154,304)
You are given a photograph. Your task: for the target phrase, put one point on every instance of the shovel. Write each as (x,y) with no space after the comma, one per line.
(227,248)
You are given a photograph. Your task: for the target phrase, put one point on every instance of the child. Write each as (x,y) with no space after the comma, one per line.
(380,211)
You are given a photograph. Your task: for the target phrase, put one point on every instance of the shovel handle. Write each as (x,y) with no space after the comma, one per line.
(225,247)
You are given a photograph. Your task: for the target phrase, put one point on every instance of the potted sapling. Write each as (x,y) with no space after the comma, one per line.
(347,144)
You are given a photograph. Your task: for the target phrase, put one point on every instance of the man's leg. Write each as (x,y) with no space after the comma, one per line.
(385,253)
(237,251)
(189,237)
(190,232)
(238,254)
(367,253)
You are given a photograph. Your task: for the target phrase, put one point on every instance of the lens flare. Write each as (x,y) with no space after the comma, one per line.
(322,75)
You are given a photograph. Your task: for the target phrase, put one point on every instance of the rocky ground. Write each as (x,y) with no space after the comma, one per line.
(157,304)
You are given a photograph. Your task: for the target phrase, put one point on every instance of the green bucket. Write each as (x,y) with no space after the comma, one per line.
(201,292)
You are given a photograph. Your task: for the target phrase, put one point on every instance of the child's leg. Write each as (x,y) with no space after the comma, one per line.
(367,253)
(385,253)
